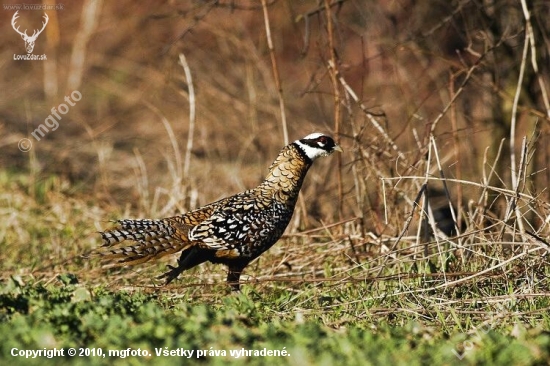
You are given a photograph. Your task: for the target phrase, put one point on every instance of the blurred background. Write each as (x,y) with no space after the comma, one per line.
(398,83)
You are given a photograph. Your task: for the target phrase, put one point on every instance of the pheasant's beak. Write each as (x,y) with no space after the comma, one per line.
(338,148)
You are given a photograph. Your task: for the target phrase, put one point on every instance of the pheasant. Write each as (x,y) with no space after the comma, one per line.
(232,231)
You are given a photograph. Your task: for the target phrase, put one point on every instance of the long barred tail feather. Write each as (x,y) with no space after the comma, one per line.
(137,230)
(152,239)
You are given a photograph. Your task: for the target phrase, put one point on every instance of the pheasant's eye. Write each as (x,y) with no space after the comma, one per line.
(322,141)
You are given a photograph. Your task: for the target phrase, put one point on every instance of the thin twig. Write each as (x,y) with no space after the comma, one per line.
(458,155)
(142,181)
(531,40)
(173,140)
(275,72)
(458,92)
(424,209)
(192,113)
(195,20)
(514,204)
(486,180)
(91,11)
(336,91)
(404,230)
(513,121)
(369,115)
(445,187)
(510,192)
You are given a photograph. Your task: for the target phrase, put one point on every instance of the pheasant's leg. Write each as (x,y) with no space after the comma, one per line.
(188,259)
(233,277)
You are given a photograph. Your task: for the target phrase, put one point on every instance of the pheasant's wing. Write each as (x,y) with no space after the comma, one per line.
(245,226)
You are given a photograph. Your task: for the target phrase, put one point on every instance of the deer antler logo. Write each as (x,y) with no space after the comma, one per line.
(29,41)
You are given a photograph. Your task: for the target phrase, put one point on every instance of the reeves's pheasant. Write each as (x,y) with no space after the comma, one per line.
(232,231)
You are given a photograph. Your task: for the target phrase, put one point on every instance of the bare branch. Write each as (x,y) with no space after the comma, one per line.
(275,72)
(192,113)
(531,40)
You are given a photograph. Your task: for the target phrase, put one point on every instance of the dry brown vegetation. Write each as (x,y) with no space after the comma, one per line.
(448,95)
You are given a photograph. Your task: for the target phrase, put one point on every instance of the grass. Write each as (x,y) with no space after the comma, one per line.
(326,306)
(65,314)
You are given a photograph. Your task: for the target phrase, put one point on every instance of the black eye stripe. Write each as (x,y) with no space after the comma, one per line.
(320,142)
